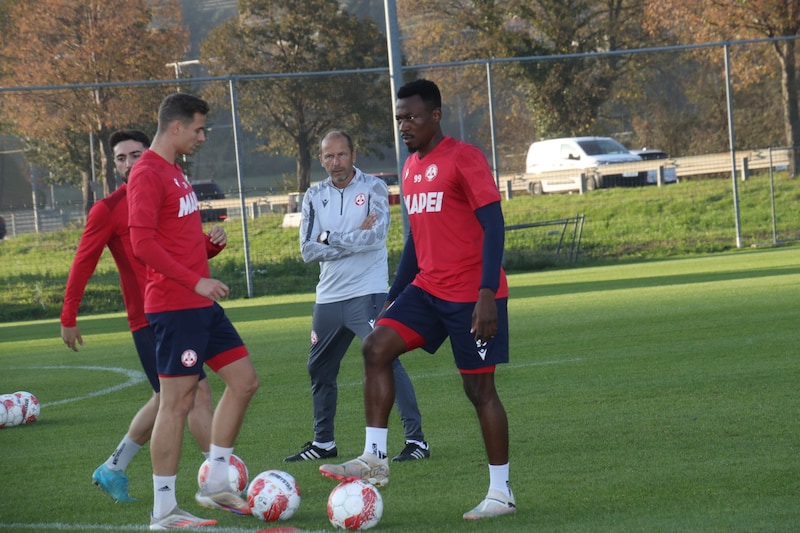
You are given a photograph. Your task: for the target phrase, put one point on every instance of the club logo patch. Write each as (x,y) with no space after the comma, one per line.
(189,358)
(314,338)
(431,172)
(361,199)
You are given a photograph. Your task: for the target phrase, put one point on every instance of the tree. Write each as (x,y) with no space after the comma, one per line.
(290,114)
(561,97)
(717,20)
(52,42)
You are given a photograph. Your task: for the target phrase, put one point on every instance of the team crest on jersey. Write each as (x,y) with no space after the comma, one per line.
(314,338)
(431,172)
(361,199)
(189,358)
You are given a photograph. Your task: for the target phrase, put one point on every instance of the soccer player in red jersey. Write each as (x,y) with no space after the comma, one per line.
(107,225)
(181,305)
(450,283)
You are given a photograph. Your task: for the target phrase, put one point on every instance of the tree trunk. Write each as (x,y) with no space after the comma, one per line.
(88,193)
(107,164)
(303,165)
(791,114)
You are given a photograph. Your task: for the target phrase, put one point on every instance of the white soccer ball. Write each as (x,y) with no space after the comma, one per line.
(355,505)
(237,474)
(3,415)
(31,407)
(15,410)
(273,495)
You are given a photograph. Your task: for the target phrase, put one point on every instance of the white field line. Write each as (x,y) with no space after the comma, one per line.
(60,526)
(134,378)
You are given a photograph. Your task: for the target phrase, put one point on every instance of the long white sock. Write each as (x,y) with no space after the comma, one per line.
(164,499)
(219,458)
(498,479)
(123,454)
(375,443)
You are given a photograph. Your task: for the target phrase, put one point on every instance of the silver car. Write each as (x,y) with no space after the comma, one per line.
(670,174)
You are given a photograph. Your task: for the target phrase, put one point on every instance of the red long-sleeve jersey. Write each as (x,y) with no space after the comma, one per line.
(107,225)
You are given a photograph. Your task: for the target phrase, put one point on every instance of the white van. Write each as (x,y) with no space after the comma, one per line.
(583,154)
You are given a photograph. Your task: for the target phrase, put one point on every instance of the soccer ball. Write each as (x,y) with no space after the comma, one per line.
(3,415)
(31,407)
(237,474)
(355,505)
(273,495)
(15,410)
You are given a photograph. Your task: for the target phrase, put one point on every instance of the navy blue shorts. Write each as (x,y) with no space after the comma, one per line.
(145,341)
(187,338)
(425,321)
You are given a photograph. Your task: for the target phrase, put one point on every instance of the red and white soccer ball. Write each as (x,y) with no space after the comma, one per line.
(355,505)
(273,495)
(15,410)
(237,474)
(30,406)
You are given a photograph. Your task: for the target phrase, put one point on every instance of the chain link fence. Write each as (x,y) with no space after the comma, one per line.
(682,101)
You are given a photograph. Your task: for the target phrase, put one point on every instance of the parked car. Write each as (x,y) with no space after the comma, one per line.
(208,190)
(582,154)
(670,173)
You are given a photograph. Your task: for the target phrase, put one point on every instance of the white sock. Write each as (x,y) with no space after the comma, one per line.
(324,445)
(123,454)
(164,499)
(219,458)
(498,479)
(375,443)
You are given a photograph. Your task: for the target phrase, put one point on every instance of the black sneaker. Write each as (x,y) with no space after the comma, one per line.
(412,452)
(310,453)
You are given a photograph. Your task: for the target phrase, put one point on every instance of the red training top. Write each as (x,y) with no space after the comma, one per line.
(107,225)
(167,234)
(442,192)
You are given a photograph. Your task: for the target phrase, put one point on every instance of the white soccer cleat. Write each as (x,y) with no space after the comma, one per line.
(367,467)
(496,503)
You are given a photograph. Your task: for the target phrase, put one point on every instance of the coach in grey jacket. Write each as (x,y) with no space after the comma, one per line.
(344,224)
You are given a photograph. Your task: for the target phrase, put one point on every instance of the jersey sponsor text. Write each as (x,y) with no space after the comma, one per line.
(425,202)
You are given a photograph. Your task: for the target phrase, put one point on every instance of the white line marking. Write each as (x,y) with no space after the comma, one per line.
(134,378)
(60,526)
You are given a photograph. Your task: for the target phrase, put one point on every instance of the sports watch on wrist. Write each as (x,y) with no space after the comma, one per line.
(323,237)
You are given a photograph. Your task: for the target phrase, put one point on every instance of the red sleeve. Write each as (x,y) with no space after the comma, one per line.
(150,252)
(96,234)
(212,249)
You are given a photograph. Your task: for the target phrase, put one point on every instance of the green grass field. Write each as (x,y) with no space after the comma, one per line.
(656,396)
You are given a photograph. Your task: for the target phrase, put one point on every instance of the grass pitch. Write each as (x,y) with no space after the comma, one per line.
(656,396)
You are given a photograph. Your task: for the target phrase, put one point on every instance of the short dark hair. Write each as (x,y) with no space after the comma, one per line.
(128,135)
(339,133)
(426,89)
(180,106)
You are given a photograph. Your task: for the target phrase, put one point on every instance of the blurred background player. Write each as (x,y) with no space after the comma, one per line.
(107,225)
(345,220)
(450,283)
(191,328)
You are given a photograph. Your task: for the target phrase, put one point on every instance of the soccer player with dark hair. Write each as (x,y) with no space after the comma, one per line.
(107,225)
(450,283)
(181,305)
